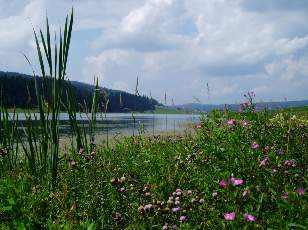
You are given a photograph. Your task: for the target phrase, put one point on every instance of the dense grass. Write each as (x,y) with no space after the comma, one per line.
(136,183)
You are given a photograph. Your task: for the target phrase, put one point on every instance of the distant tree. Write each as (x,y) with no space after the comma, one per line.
(18,91)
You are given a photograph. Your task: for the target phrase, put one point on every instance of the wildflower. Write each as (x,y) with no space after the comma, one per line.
(165,227)
(250,218)
(255,145)
(177,203)
(148,194)
(148,207)
(222,184)
(81,151)
(244,123)
(117,216)
(285,195)
(231,122)
(300,191)
(121,190)
(266,149)
(72,164)
(178,190)
(189,192)
(183,218)
(198,126)
(201,201)
(236,182)
(214,194)
(174,226)
(264,162)
(114,181)
(289,163)
(93,154)
(245,193)
(229,216)
(176,209)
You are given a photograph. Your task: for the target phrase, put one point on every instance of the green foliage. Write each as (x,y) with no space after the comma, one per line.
(135,184)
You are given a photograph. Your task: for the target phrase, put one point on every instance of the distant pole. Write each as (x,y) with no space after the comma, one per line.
(166,111)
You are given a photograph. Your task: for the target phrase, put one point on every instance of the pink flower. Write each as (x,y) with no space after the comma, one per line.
(176,209)
(245,193)
(222,184)
(231,122)
(250,218)
(229,216)
(121,190)
(244,123)
(289,163)
(285,195)
(198,126)
(93,154)
(264,162)
(148,207)
(236,182)
(300,191)
(81,151)
(255,145)
(183,218)
(266,149)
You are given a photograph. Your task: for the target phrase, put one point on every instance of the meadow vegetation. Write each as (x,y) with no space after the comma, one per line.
(241,170)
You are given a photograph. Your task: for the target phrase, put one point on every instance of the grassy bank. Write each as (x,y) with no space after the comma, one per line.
(169,110)
(253,166)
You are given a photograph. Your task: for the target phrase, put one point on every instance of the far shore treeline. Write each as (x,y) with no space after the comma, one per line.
(18,91)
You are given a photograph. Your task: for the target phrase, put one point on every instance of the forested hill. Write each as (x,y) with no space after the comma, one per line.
(17,90)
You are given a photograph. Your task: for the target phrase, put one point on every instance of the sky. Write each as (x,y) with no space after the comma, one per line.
(208,51)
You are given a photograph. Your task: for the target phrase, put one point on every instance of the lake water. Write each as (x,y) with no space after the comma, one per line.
(126,124)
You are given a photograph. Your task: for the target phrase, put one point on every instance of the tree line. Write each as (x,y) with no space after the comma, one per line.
(18,91)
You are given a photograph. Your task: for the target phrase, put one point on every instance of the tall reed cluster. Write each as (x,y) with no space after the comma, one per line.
(39,136)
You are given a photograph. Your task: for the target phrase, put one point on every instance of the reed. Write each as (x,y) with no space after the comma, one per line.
(8,136)
(84,135)
(41,145)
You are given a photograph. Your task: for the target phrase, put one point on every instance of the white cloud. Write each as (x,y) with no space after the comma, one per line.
(289,68)
(15,29)
(145,15)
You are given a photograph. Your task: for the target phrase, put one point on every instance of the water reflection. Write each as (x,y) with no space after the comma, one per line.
(126,124)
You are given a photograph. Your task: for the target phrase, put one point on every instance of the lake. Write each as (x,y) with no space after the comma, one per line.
(128,124)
